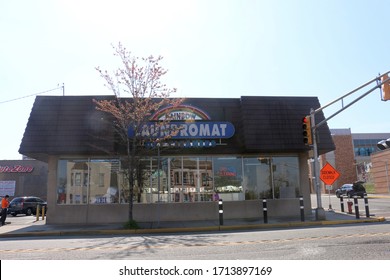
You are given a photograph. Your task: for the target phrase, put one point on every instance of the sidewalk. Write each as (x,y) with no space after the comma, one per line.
(40,228)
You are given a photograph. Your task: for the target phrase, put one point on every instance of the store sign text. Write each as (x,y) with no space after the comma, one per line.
(187,130)
(184,144)
(227,172)
(180,113)
(16,169)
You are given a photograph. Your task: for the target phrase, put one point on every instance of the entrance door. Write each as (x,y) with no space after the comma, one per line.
(191,179)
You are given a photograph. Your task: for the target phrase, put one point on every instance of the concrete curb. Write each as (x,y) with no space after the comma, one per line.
(188,229)
(378,196)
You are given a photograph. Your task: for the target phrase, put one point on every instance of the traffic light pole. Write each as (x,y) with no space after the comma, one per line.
(320,212)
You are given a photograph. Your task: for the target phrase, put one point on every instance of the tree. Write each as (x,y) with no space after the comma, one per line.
(139,81)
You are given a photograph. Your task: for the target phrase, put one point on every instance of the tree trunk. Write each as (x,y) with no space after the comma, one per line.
(130,158)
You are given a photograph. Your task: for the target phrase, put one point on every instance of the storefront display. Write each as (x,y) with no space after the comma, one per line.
(243,149)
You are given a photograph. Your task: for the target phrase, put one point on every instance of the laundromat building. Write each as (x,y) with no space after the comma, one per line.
(244,149)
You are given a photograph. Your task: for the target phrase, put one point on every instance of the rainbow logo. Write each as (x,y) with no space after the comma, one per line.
(181,113)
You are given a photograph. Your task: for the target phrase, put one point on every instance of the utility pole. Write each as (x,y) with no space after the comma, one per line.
(383,83)
(320,212)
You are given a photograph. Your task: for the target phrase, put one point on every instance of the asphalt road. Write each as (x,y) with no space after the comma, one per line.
(347,242)
(378,206)
(342,242)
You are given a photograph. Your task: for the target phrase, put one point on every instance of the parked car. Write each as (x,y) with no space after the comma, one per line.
(344,190)
(351,190)
(25,205)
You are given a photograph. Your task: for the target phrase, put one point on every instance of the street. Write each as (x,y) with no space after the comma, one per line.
(378,206)
(347,242)
(341,242)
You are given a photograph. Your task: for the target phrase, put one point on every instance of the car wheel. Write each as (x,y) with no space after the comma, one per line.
(350,195)
(28,212)
(13,214)
(337,195)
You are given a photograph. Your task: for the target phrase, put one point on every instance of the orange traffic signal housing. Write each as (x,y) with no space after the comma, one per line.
(306,127)
(385,88)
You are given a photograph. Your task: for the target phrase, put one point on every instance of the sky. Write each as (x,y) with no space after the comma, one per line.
(212,48)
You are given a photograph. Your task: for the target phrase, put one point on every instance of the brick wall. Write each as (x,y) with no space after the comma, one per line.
(345,159)
(381,171)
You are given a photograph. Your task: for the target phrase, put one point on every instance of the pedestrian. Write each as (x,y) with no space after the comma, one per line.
(4,208)
(216,196)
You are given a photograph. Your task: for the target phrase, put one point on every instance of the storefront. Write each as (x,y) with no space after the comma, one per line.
(23,178)
(244,149)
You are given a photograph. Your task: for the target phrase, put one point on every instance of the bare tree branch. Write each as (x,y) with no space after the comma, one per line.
(140,83)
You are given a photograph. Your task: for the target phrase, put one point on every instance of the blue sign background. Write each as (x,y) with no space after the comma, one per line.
(189,130)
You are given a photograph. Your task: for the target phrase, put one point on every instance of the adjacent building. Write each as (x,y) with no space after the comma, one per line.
(354,157)
(23,178)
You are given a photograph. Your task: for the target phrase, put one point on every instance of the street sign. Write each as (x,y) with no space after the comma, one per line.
(329,188)
(328,174)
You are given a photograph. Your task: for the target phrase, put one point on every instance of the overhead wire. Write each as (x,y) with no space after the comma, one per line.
(34,94)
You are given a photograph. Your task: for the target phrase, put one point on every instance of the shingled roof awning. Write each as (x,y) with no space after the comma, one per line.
(70,125)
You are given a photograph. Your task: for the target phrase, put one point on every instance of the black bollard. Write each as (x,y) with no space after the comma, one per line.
(220,208)
(302,209)
(342,203)
(366,204)
(265,211)
(355,201)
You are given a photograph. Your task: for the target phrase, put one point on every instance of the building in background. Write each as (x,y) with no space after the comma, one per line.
(365,145)
(380,171)
(23,178)
(342,158)
(354,155)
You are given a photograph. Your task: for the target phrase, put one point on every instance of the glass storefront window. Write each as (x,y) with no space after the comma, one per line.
(104,185)
(158,180)
(178,179)
(228,177)
(271,177)
(286,177)
(84,181)
(176,187)
(72,181)
(191,179)
(257,178)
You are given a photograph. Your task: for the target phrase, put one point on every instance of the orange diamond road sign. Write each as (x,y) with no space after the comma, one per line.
(328,174)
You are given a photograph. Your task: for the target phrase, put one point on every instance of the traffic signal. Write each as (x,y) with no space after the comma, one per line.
(306,131)
(385,88)
(384,144)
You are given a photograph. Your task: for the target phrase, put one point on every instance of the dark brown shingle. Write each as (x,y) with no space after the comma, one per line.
(70,125)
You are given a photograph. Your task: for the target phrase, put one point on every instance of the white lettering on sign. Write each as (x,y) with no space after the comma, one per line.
(16,169)
(203,130)
(181,113)
(182,116)
(7,187)
(188,130)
